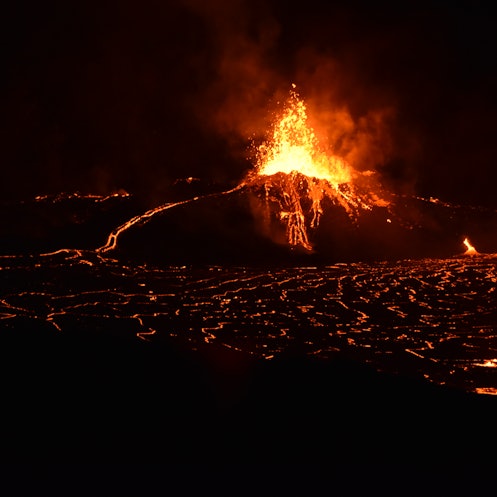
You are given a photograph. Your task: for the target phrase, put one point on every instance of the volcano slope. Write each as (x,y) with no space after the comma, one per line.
(242,227)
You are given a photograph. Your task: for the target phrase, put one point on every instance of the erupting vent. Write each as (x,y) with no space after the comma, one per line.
(297,174)
(470,250)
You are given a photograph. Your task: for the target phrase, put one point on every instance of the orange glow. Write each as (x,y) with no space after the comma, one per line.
(294,149)
(486,391)
(490,363)
(296,171)
(470,250)
(111,242)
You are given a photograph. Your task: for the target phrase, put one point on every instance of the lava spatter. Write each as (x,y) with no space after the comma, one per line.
(297,175)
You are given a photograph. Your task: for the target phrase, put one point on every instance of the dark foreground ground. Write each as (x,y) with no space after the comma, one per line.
(69,397)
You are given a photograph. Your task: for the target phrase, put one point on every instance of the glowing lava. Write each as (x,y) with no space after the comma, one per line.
(470,250)
(297,175)
(111,242)
(294,148)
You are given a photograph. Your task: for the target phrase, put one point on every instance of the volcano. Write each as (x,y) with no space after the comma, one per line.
(241,227)
(299,203)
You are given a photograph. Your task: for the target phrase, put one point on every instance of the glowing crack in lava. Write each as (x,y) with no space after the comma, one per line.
(470,250)
(297,175)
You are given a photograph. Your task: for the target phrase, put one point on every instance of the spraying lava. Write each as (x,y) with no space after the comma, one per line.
(470,250)
(297,175)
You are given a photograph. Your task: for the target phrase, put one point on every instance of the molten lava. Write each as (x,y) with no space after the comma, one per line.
(294,148)
(470,250)
(297,175)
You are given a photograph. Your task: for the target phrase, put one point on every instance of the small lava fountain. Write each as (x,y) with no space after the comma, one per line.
(470,250)
(297,175)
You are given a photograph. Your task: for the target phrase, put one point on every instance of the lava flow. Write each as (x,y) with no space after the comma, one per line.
(297,175)
(111,242)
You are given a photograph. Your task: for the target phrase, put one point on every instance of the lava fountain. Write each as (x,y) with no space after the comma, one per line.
(470,250)
(297,174)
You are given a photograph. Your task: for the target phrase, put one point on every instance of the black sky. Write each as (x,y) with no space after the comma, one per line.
(102,96)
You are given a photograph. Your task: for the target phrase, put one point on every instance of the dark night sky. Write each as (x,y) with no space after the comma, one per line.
(101,96)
